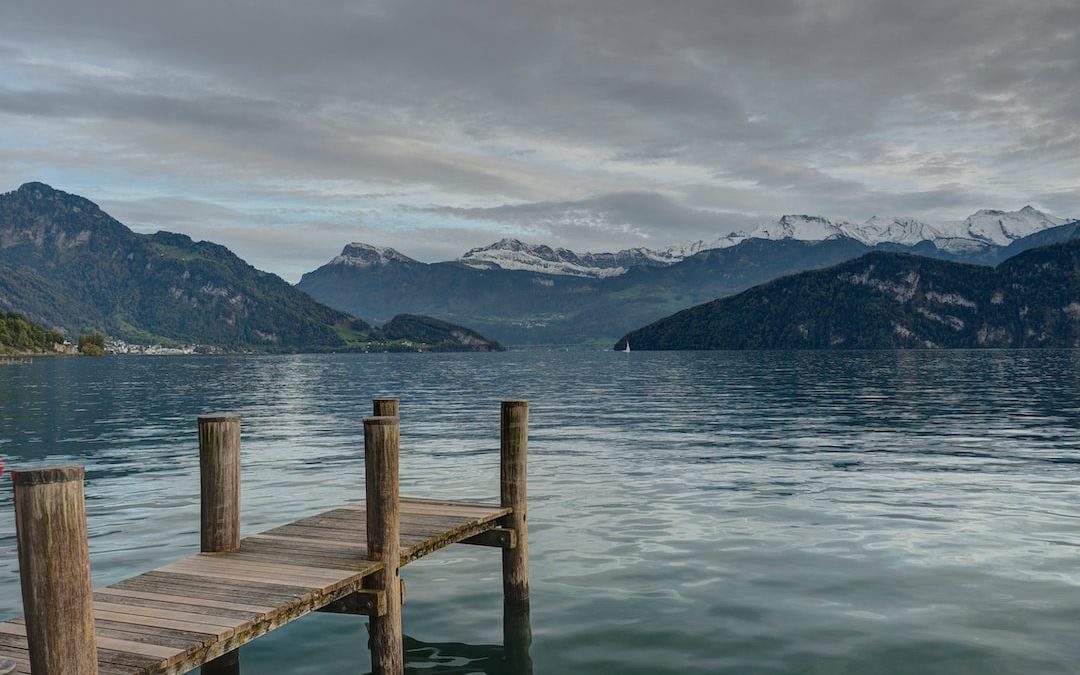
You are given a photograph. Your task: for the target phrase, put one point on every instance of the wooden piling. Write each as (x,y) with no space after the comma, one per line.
(219,473)
(381,440)
(513,448)
(385,407)
(54,569)
(517,640)
(219,526)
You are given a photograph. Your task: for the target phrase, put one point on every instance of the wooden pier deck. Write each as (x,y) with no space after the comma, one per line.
(176,617)
(199,610)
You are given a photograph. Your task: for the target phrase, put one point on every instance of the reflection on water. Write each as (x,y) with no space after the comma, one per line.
(455,658)
(760,512)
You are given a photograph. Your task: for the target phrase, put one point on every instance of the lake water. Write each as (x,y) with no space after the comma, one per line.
(759,512)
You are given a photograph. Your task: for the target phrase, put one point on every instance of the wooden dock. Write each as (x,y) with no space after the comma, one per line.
(200,609)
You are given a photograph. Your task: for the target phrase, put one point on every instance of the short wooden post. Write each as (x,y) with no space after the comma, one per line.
(381,439)
(219,473)
(385,407)
(514,446)
(54,569)
(219,526)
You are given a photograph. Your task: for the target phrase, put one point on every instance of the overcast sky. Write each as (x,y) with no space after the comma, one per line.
(286,129)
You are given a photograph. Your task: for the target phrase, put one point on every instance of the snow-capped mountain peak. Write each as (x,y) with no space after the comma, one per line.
(358,254)
(514,254)
(1000,228)
(802,227)
(986,227)
(982,229)
(677,252)
(894,229)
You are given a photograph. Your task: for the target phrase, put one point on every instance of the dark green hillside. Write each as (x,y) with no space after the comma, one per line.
(19,336)
(68,265)
(438,335)
(891,300)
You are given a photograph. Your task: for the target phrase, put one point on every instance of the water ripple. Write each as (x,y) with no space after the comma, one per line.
(760,512)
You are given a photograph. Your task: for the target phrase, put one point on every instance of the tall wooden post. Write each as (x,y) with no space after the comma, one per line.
(385,407)
(219,525)
(381,439)
(513,451)
(513,447)
(54,569)
(219,475)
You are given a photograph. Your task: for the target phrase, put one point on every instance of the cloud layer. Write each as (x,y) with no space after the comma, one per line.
(285,129)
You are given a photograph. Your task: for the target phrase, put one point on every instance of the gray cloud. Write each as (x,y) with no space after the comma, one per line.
(635,218)
(599,124)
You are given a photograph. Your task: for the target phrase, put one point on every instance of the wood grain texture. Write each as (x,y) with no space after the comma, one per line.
(219,530)
(219,475)
(385,407)
(194,611)
(513,451)
(54,570)
(381,440)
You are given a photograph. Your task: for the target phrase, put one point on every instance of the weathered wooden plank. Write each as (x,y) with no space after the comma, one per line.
(449,504)
(326,560)
(283,568)
(177,603)
(13,628)
(162,637)
(193,610)
(432,544)
(174,583)
(277,573)
(253,576)
(348,556)
(110,661)
(219,623)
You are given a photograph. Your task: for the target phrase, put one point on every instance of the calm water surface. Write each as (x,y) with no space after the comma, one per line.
(806,512)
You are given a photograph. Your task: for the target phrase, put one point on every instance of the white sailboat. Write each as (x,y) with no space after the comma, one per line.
(627,349)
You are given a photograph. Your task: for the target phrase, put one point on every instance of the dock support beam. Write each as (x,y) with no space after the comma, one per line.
(381,440)
(54,570)
(513,451)
(219,525)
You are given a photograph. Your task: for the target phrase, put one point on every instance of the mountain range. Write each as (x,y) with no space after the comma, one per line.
(526,294)
(982,230)
(891,300)
(68,265)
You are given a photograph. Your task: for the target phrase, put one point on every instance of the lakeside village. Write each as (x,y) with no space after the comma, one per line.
(114,346)
(21,339)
